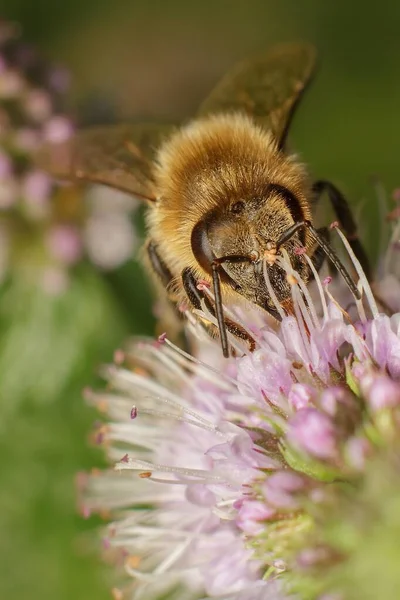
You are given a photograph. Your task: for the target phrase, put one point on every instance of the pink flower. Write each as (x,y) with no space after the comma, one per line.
(58,129)
(230,457)
(301,395)
(281,487)
(65,244)
(313,432)
(251,515)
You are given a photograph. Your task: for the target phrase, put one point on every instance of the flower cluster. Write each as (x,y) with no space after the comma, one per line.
(235,479)
(46,228)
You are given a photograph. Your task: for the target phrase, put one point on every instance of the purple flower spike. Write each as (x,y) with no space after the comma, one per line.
(313,432)
(233,457)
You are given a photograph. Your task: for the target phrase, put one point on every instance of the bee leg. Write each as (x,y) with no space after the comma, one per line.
(346,219)
(196,297)
(159,266)
(171,317)
(326,247)
(219,309)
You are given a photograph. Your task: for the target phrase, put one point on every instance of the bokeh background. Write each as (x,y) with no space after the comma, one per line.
(157,59)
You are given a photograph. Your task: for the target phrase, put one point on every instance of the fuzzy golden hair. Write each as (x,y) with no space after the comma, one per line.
(211,163)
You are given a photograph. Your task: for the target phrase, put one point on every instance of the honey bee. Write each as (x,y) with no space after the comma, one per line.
(224,196)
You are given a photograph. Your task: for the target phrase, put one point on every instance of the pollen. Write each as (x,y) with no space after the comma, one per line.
(291,279)
(102,406)
(117,594)
(133,561)
(270,253)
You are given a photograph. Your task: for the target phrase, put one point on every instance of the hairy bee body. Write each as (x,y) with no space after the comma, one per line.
(224,196)
(225,164)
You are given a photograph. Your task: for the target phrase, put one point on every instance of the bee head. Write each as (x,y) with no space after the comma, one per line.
(241,237)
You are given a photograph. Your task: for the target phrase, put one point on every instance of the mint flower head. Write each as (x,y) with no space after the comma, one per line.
(47,228)
(237,479)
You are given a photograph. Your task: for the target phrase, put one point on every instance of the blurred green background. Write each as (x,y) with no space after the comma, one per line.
(157,59)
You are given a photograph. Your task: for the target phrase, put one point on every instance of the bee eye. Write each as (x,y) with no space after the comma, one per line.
(238,207)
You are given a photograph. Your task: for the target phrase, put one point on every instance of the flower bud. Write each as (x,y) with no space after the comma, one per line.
(313,432)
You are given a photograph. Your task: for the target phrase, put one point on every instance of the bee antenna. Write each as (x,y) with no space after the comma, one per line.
(219,311)
(326,247)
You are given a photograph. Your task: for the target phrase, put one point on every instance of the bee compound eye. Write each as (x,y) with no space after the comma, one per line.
(238,207)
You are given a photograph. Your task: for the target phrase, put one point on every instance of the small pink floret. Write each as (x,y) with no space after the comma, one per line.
(313,432)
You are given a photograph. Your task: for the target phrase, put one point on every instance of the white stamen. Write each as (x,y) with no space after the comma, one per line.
(167,397)
(271,291)
(205,313)
(334,301)
(319,285)
(310,309)
(173,365)
(165,415)
(299,319)
(144,465)
(229,502)
(181,481)
(359,304)
(200,363)
(361,274)
(299,301)
(140,576)
(156,530)
(173,557)
(297,298)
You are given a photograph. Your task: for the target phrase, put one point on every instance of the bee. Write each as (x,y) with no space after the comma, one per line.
(224,195)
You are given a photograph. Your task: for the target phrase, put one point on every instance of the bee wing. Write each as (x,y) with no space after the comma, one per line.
(267,87)
(116,155)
